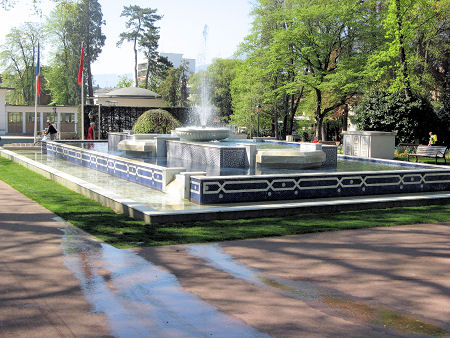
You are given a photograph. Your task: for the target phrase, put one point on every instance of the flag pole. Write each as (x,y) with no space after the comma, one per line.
(81,82)
(82,106)
(37,85)
(35,116)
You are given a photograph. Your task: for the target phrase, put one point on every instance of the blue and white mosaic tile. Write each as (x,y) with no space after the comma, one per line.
(142,173)
(206,190)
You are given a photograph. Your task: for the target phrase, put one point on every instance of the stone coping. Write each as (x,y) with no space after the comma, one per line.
(377,133)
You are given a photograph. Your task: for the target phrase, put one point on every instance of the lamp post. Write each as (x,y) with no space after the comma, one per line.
(258,110)
(54,118)
(99,119)
(280,125)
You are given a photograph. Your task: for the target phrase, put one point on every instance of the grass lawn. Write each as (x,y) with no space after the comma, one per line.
(124,232)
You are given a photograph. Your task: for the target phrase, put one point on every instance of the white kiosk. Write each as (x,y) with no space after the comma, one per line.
(372,144)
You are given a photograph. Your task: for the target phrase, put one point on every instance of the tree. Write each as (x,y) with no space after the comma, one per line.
(90,21)
(71,24)
(271,61)
(174,87)
(331,41)
(63,71)
(157,72)
(142,32)
(411,117)
(414,53)
(303,50)
(18,57)
(124,81)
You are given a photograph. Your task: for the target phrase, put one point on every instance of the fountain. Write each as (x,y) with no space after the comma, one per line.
(204,110)
(189,164)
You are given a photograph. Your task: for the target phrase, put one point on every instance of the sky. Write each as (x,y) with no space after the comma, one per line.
(181,29)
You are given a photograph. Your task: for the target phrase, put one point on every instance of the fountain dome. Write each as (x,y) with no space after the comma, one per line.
(202,134)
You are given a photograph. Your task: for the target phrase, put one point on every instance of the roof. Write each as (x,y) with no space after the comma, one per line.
(131,92)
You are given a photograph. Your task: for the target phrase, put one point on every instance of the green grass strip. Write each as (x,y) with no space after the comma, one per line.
(124,232)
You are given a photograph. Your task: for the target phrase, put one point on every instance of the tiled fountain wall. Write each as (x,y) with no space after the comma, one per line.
(227,189)
(147,174)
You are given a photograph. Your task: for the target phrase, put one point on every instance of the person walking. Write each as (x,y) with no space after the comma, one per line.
(51,131)
(91,132)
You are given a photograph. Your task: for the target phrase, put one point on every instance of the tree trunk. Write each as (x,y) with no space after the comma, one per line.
(147,73)
(318,113)
(404,66)
(135,63)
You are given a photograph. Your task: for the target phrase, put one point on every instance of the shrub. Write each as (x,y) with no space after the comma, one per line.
(156,121)
(412,119)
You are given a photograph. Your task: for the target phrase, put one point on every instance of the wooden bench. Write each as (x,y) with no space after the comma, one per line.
(430,151)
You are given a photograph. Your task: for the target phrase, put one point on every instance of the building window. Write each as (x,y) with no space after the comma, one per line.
(15,117)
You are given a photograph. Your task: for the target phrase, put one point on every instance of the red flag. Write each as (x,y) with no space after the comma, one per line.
(80,69)
(37,83)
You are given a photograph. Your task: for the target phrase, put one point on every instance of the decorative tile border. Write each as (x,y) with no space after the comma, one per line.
(134,171)
(232,189)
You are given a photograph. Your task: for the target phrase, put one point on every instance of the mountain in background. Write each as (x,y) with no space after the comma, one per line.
(109,80)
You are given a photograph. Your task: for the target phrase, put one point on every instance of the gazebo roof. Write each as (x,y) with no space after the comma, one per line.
(132,92)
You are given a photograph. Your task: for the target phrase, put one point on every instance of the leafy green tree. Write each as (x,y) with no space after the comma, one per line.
(63,71)
(414,53)
(156,121)
(71,24)
(18,57)
(141,32)
(90,22)
(331,40)
(174,87)
(157,72)
(270,65)
(411,117)
(248,91)
(124,81)
(301,51)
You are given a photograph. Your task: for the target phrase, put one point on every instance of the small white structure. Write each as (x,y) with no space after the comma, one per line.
(372,144)
(308,155)
(139,143)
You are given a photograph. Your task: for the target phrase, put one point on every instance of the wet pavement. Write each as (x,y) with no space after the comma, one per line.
(58,281)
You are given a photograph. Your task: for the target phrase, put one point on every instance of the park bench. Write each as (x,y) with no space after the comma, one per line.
(430,151)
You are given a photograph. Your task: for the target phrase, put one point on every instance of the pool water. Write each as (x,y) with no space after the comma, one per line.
(343,165)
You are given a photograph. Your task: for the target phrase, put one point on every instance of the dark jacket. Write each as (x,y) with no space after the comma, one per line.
(51,130)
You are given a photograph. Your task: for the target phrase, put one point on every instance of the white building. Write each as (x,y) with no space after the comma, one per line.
(19,119)
(177,60)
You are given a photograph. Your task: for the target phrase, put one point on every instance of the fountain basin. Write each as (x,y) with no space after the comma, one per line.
(202,134)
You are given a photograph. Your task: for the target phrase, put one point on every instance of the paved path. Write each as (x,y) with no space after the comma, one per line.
(39,296)
(367,283)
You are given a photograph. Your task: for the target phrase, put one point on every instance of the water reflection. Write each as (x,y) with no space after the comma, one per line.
(315,295)
(140,299)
